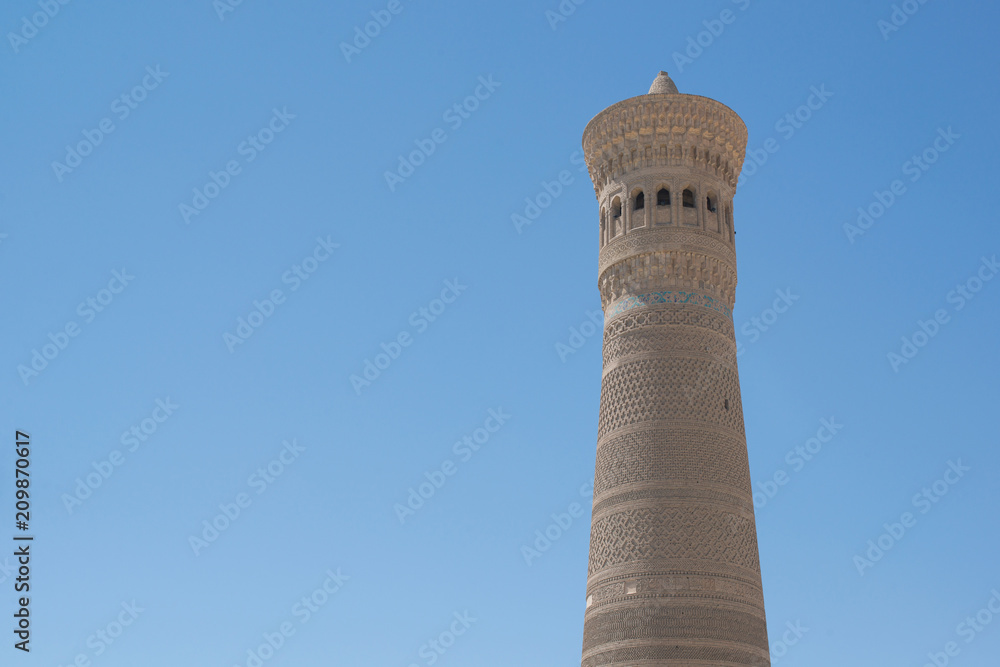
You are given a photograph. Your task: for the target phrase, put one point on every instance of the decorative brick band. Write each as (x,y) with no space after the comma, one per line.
(628,303)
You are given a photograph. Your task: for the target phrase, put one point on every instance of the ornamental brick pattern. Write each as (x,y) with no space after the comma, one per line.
(674,574)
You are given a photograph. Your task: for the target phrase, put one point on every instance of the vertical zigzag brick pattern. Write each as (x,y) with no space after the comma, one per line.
(674,573)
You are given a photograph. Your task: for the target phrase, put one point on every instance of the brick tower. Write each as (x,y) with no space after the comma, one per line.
(674,575)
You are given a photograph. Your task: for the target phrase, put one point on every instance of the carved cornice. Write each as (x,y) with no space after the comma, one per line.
(663,131)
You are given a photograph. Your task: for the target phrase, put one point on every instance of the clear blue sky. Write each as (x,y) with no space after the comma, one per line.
(288,137)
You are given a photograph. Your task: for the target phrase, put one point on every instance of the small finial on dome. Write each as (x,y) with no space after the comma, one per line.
(663,85)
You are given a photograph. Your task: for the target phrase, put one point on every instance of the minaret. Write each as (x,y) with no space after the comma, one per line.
(674,575)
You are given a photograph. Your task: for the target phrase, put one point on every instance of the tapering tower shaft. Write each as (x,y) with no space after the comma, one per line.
(674,575)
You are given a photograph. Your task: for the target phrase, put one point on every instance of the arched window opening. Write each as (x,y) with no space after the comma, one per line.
(616,208)
(663,197)
(688,199)
(640,202)
(710,203)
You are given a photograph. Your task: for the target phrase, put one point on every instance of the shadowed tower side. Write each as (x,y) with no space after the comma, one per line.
(674,574)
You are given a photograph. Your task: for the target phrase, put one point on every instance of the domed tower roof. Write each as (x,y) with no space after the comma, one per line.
(663,85)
